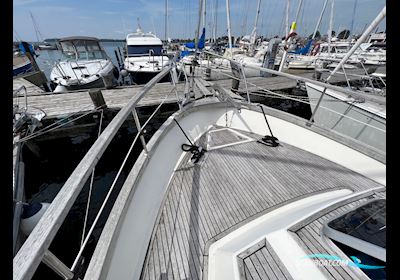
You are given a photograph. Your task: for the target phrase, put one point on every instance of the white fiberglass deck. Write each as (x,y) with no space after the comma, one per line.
(234,184)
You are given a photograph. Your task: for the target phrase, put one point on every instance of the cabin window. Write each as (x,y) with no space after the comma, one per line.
(92,46)
(144,50)
(68,50)
(361,233)
(82,50)
(367,223)
(342,49)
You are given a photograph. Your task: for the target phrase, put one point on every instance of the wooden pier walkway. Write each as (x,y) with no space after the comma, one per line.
(63,104)
(31,88)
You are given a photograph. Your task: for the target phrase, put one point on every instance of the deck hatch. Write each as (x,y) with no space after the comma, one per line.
(225,137)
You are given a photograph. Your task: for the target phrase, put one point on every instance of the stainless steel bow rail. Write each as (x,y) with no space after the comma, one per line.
(35,249)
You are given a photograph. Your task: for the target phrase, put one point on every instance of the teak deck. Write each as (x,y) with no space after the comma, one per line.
(309,237)
(231,186)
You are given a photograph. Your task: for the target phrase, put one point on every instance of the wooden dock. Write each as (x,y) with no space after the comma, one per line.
(63,104)
(31,88)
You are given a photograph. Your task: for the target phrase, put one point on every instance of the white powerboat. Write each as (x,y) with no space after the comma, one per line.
(145,56)
(228,189)
(85,65)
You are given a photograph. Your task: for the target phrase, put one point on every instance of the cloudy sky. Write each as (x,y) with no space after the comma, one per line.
(115,18)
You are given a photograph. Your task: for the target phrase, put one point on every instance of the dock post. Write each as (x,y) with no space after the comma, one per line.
(97,98)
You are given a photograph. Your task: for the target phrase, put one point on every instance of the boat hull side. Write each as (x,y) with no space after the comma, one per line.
(372,134)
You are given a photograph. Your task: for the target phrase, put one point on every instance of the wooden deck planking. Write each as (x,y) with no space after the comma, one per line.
(309,237)
(277,266)
(31,89)
(262,262)
(204,201)
(58,105)
(55,105)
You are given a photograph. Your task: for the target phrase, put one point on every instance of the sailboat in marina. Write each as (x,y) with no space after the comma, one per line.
(41,44)
(362,107)
(335,49)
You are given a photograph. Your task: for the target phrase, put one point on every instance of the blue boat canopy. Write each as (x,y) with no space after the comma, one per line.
(192,45)
(304,50)
(22,47)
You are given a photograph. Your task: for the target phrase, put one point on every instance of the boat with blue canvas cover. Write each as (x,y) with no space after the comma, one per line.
(22,64)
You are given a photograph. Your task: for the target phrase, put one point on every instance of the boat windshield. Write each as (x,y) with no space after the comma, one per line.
(139,50)
(367,223)
(82,50)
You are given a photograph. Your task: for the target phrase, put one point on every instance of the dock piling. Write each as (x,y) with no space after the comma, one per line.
(97,98)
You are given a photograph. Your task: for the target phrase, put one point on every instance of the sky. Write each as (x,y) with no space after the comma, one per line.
(113,19)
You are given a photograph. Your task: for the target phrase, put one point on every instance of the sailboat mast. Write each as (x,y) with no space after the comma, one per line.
(364,36)
(254,32)
(196,39)
(319,19)
(215,21)
(330,26)
(204,13)
(166,21)
(352,18)
(35,27)
(228,19)
(298,11)
(287,17)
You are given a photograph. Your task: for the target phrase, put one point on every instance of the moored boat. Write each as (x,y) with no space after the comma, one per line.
(85,65)
(145,56)
(227,189)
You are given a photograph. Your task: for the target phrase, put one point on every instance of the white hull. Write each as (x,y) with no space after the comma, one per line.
(146,64)
(74,75)
(342,118)
(139,211)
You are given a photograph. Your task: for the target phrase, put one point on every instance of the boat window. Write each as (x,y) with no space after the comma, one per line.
(144,50)
(367,223)
(68,50)
(81,49)
(342,49)
(96,55)
(324,49)
(92,46)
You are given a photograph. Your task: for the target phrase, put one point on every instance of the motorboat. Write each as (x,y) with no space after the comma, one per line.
(47,46)
(229,189)
(84,65)
(145,56)
(21,64)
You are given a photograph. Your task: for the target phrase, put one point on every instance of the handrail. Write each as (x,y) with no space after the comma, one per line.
(33,250)
(275,94)
(18,90)
(298,78)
